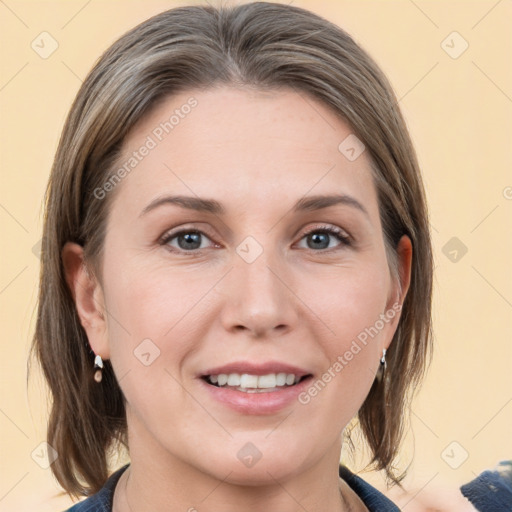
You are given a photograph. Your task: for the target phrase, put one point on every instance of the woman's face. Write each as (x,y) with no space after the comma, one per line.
(269,260)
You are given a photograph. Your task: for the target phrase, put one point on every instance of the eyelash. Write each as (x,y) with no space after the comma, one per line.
(344,239)
(338,233)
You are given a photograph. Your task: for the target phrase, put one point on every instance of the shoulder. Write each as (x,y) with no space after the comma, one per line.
(103,499)
(373,499)
(491,491)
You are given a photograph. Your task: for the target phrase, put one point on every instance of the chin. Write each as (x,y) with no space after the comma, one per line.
(254,463)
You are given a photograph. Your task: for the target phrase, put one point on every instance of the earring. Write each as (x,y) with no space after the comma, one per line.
(98,366)
(382,366)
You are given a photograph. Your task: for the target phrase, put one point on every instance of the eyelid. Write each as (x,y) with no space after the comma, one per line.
(330,228)
(344,237)
(174,232)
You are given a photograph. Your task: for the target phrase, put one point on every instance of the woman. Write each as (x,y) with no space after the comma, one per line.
(236,263)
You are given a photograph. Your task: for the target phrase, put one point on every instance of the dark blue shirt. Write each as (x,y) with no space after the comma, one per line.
(371,497)
(491,491)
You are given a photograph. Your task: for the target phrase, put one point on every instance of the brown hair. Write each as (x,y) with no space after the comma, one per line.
(262,45)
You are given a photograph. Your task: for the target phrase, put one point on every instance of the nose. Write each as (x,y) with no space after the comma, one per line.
(259,298)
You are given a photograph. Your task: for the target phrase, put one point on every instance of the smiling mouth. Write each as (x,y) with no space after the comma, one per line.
(248,383)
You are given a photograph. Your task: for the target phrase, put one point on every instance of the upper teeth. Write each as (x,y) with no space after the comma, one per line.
(254,381)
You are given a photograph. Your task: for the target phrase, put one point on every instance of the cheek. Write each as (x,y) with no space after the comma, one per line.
(152,301)
(158,316)
(349,300)
(152,321)
(352,308)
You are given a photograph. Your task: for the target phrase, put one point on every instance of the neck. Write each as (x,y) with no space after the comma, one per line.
(159,481)
(127,498)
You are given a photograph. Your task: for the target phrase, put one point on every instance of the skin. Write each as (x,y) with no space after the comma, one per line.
(256,153)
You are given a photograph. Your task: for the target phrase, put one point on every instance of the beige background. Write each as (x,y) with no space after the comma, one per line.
(459,111)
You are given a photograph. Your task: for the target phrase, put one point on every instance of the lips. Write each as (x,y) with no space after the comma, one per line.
(264,403)
(269,397)
(252,368)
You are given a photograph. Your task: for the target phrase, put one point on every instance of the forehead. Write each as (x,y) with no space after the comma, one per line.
(242,146)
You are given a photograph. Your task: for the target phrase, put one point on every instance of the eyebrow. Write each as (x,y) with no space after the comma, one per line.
(318,202)
(191,203)
(310,203)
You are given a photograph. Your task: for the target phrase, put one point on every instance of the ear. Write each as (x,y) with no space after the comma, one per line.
(404,254)
(401,283)
(88,297)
